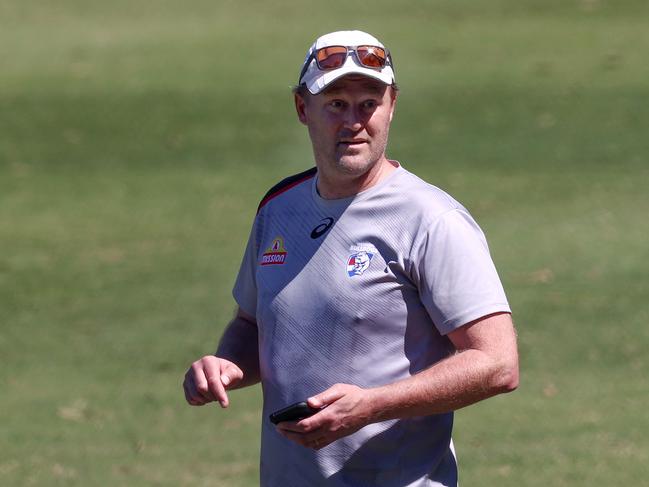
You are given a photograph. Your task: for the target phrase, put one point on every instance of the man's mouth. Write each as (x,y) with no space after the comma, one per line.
(352,142)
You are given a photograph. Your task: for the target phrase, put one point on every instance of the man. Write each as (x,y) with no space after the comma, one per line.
(364,290)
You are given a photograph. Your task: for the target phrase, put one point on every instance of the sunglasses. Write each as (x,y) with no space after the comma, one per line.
(333,57)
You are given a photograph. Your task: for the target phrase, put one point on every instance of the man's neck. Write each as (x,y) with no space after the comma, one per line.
(336,186)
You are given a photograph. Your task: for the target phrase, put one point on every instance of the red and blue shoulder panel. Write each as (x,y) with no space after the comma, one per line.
(286,184)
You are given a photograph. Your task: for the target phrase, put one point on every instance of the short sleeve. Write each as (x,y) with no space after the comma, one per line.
(456,277)
(245,287)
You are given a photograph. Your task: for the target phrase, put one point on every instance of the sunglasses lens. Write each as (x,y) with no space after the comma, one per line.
(371,56)
(331,57)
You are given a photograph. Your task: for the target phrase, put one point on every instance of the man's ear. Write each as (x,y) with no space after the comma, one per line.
(300,108)
(393,99)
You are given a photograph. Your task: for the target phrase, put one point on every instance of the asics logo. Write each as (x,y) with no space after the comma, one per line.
(321,229)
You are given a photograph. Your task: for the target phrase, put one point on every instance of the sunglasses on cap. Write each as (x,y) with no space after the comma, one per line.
(333,57)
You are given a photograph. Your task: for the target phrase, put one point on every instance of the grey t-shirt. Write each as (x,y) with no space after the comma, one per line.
(363,291)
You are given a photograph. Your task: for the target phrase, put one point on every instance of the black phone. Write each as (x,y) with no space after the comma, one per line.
(294,412)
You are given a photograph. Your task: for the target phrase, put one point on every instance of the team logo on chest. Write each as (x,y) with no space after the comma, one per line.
(360,259)
(275,254)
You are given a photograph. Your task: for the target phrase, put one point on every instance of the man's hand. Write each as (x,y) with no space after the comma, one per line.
(346,409)
(208,379)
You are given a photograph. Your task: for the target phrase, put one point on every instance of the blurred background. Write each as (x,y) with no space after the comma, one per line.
(137,137)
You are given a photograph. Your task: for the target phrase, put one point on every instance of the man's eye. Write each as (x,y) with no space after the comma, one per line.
(336,104)
(369,104)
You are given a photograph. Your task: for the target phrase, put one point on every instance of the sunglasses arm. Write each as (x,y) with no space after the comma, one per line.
(307,63)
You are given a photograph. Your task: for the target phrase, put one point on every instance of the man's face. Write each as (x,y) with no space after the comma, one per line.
(348,123)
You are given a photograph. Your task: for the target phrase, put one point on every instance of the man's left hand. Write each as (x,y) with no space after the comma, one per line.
(346,409)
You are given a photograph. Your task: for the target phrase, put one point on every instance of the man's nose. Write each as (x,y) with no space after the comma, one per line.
(353,119)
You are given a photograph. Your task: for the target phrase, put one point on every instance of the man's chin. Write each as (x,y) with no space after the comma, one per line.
(354,163)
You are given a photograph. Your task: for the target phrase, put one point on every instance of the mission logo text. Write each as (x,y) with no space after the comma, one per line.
(275,254)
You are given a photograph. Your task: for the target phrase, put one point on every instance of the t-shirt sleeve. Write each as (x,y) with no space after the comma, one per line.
(457,279)
(245,287)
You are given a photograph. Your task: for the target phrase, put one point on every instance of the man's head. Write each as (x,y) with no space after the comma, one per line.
(346,98)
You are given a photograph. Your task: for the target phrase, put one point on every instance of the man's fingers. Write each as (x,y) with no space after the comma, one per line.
(192,398)
(213,371)
(312,425)
(290,426)
(188,396)
(192,395)
(325,398)
(220,380)
(298,438)
(201,383)
(231,374)
(218,390)
(208,379)
(312,440)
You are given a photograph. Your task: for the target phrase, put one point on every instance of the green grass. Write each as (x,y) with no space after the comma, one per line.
(136,139)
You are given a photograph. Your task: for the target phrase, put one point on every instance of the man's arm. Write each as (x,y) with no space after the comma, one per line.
(486,364)
(235,364)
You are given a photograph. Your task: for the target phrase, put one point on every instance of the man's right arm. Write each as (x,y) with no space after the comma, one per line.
(235,364)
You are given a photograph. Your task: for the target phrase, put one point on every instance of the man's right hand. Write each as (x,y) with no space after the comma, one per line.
(208,379)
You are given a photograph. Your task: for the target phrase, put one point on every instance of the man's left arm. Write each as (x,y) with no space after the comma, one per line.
(485,364)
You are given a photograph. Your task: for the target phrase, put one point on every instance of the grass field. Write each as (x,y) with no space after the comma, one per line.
(136,139)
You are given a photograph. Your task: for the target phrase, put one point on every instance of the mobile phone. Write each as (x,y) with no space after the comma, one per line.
(294,412)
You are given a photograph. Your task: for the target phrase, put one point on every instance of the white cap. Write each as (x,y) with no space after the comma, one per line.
(316,80)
